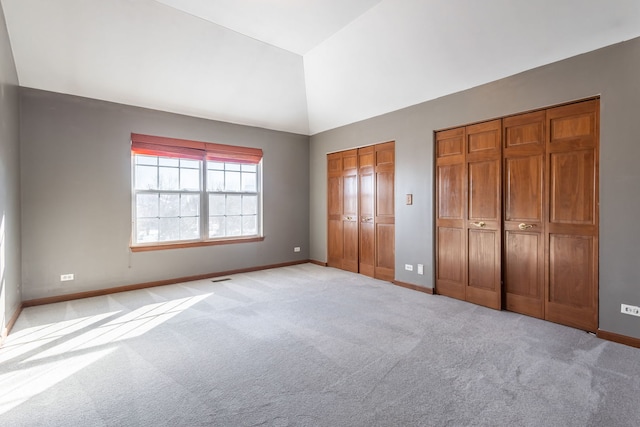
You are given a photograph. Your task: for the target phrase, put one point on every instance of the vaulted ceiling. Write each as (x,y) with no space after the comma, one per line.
(301,66)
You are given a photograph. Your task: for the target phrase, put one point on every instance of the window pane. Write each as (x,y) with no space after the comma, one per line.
(169,179)
(234,204)
(147,230)
(188,163)
(232,181)
(169,229)
(234,225)
(190,205)
(146,205)
(216,226)
(249,181)
(189,228)
(146,160)
(249,168)
(215,180)
(146,177)
(232,166)
(169,205)
(168,161)
(216,204)
(189,179)
(249,205)
(249,225)
(215,165)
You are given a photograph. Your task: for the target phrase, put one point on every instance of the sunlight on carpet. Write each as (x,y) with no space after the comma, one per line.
(82,342)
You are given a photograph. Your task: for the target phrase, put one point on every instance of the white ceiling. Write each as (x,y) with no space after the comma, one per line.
(293,25)
(302,66)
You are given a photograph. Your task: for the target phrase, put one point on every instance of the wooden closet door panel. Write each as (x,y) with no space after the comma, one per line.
(385,253)
(484,190)
(524,202)
(524,271)
(350,224)
(350,210)
(572,215)
(450,191)
(450,234)
(571,269)
(524,190)
(342,210)
(572,187)
(335,246)
(484,213)
(482,260)
(451,242)
(366,174)
(384,218)
(451,262)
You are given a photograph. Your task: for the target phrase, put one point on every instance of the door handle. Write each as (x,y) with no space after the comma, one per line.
(348,218)
(480,224)
(367,219)
(524,226)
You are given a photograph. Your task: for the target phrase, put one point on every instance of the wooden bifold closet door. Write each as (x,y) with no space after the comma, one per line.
(468,214)
(361,210)
(571,235)
(546,241)
(342,202)
(524,209)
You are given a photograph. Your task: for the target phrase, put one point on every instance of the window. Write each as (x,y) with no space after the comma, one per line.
(233,199)
(193,193)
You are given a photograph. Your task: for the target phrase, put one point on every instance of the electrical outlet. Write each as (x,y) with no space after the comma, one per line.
(630,309)
(296,249)
(408,267)
(66,277)
(420,269)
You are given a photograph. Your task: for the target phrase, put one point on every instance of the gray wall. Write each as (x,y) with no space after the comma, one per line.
(612,72)
(76,195)
(9,181)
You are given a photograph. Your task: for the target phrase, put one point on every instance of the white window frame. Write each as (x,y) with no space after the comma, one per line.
(257,193)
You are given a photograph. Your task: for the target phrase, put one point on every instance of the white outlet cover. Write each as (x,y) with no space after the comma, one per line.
(630,309)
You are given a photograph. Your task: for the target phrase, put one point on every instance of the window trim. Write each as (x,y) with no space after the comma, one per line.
(203,151)
(194,244)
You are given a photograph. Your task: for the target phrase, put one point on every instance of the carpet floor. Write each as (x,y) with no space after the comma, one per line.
(306,346)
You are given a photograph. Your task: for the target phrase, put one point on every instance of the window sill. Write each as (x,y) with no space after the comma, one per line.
(160,247)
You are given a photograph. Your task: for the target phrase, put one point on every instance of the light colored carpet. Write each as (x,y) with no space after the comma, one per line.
(306,346)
